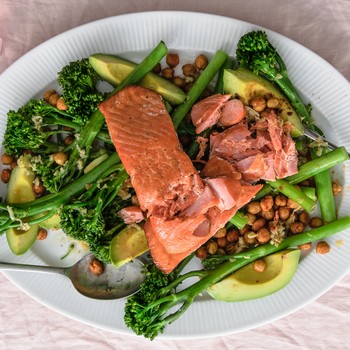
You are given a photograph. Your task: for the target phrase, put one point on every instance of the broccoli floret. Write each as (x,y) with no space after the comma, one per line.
(32,127)
(256,53)
(92,217)
(78,80)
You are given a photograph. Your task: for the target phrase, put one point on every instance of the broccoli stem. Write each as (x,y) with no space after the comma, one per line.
(293,193)
(323,183)
(198,87)
(317,165)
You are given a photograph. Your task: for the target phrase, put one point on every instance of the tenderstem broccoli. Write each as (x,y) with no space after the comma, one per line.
(256,53)
(92,217)
(33,126)
(78,81)
(158,304)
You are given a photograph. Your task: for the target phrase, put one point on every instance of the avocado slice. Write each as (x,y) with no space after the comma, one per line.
(20,190)
(128,244)
(114,70)
(247,284)
(247,85)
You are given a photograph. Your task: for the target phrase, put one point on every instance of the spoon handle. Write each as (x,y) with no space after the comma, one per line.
(314,136)
(31,268)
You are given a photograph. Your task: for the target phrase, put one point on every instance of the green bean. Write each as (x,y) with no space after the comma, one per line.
(315,166)
(323,183)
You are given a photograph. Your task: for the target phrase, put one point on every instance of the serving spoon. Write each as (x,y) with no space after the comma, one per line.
(113,283)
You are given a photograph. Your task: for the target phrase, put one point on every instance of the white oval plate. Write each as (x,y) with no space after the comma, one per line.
(132,36)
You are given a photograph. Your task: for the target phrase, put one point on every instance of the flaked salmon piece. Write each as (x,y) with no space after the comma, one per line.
(218,218)
(205,201)
(161,173)
(131,215)
(253,167)
(227,190)
(232,112)
(206,112)
(217,166)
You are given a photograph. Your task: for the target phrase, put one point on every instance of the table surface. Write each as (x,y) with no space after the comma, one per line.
(320,25)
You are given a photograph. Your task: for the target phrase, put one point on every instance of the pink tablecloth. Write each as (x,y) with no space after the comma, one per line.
(321,25)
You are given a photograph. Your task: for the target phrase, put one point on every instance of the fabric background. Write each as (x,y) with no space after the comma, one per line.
(322,26)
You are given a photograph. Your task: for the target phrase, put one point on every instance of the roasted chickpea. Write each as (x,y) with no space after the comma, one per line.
(212,247)
(253,207)
(263,235)
(201,253)
(49,93)
(268,214)
(258,224)
(266,203)
(230,248)
(168,73)
(259,265)
(96,267)
(172,60)
(5,175)
(273,102)
(297,227)
(222,241)
(61,105)
(189,70)
(53,99)
(60,158)
(258,103)
(249,237)
(251,218)
(42,234)
(316,222)
(7,159)
(281,200)
(283,213)
(244,230)
(180,82)
(201,62)
(220,233)
(322,247)
(232,235)
(292,204)
(304,217)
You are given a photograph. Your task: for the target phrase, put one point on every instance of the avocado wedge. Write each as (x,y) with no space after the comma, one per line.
(247,284)
(128,244)
(20,190)
(247,85)
(114,70)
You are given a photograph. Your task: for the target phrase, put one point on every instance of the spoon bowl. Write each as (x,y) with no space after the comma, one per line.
(113,283)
